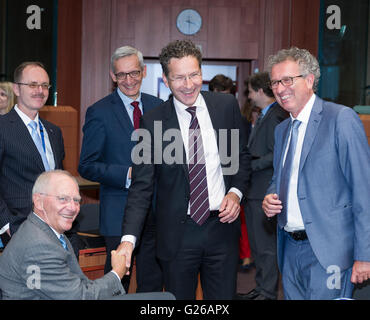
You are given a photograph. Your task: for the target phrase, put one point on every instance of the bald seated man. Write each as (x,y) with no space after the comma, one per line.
(39,263)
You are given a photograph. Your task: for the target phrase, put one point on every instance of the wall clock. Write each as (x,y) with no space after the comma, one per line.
(189,21)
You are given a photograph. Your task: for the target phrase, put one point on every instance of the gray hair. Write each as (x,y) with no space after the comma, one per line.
(43,181)
(124,52)
(308,64)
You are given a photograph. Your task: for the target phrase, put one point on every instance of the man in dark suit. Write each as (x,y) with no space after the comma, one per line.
(22,159)
(106,158)
(262,231)
(200,168)
(319,190)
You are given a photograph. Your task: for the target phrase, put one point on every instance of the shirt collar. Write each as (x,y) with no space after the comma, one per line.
(126,100)
(304,115)
(26,119)
(264,110)
(56,233)
(181,108)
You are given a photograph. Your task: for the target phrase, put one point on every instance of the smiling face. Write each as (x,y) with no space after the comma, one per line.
(48,205)
(292,98)
(30,101)
(184,79)
(129,86)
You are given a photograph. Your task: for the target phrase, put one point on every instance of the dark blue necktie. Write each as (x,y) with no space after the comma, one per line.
(286,174)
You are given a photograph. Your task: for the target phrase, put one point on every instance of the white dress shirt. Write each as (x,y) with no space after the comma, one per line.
(48,150)
(294,215)
(215,180)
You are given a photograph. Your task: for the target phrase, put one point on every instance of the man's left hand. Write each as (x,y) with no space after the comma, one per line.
(230,208)
(360,271)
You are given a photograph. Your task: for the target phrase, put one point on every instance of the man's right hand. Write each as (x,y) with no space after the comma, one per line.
(118,263)
(125,249)
(271,205)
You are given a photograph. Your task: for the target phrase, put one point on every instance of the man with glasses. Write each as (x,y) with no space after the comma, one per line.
(106,158)
(29,145)
(197,198)
(319,190)
(38,264)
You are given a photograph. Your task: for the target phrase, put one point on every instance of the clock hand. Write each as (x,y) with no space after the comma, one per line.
(189,21)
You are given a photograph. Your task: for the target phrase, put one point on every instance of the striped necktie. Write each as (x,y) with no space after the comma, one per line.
(199,202)
(63,242)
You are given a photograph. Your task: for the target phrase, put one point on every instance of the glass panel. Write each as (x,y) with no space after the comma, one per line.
(343,51)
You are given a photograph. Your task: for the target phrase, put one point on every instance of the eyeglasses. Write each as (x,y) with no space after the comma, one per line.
(181,79)
(64,199)
(34,85)
(123,75)
(286,81)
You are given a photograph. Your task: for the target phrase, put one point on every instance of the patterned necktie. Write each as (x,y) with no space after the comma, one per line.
(63,242)
(137,114)
(37,140)
(199,203)
(286,174)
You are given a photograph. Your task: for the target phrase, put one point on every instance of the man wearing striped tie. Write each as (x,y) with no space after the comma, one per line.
(199,184)
(29,146)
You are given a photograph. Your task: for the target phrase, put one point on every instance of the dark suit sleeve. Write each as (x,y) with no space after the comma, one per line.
(5,214)
(241,179)
(141,190)
(92,165)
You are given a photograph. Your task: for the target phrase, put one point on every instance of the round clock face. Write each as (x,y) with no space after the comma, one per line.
(189,21)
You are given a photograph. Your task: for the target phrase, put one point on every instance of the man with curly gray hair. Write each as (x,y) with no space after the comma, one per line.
(321,171)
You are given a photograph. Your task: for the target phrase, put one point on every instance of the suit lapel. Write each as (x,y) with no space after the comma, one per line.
(52,140)
(44,227)
(260,122)
(171,122)
(22,135)
(71,258)
(121,114)
(311,130)
(144,101)
(217,121)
